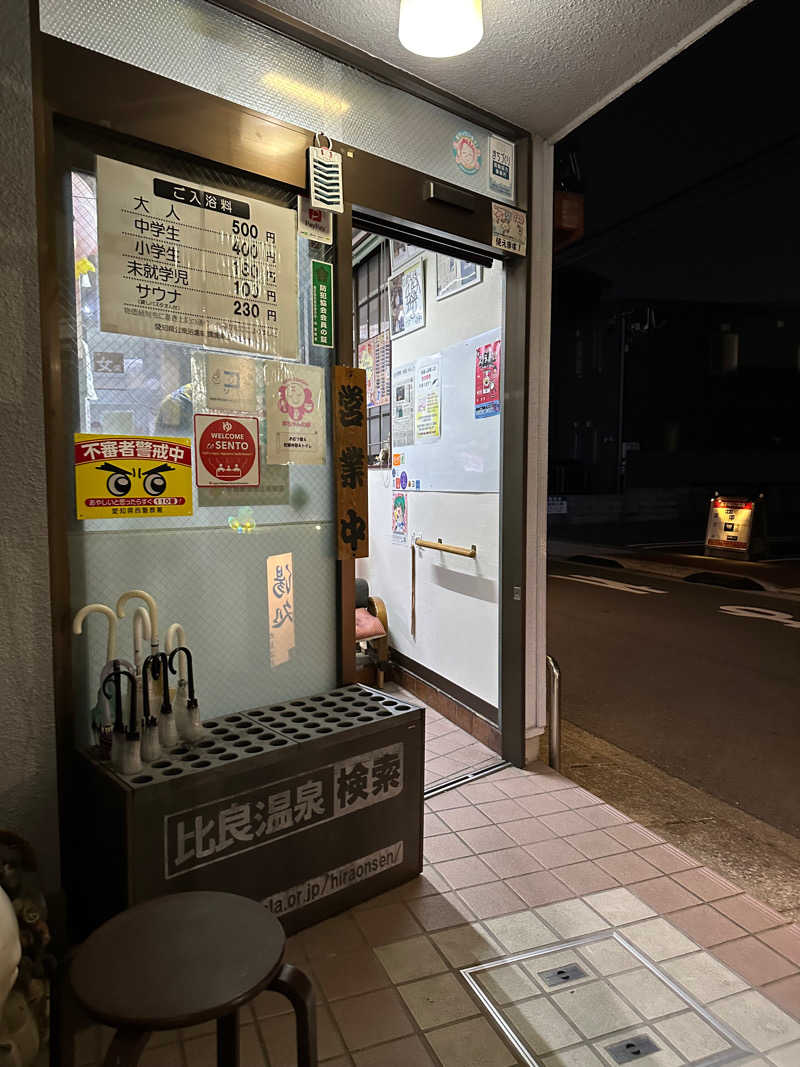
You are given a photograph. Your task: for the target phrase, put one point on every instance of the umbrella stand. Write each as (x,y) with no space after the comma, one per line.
(193,728)
(151,746)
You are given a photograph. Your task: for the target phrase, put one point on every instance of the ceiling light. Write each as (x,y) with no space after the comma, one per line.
(440,28)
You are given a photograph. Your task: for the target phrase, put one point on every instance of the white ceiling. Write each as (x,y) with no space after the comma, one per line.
(543,64)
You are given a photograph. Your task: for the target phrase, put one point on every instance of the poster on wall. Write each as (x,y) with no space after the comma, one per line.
(400,518)
(280,607)
(350,461)
(374,356)
(453,275)
(401,253)
(295,409)
(487,380)
(509,229)
(231,382)
(403,405)
(197,265)
(428,407)
(501,167)
(226,451)
(132,477)
(407,299)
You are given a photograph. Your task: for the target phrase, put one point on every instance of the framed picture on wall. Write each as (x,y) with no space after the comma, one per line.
(401,253)
(453,275)
(407,299)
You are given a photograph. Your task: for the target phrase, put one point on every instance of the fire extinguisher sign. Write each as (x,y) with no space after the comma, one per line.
(226,451)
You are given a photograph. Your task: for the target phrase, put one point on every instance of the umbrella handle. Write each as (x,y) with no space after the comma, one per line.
(166,668)
(175,636)
(101,609)
(185,665)
(142,631)
(151,607)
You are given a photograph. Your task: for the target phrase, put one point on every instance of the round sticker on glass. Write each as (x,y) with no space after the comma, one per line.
(467,152)
(227,451)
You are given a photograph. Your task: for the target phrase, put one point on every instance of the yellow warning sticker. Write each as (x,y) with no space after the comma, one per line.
(126,477)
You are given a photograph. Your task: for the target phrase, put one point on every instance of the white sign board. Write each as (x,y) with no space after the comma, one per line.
(197,265)
(501,167)
(295,403)
(730,524)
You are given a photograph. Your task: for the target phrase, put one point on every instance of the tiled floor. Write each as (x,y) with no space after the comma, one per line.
(515,862)
(449,751)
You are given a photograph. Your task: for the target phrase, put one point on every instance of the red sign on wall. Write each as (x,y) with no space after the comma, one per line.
(226,451)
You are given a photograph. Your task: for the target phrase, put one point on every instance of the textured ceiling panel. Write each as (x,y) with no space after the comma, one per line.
(542,64)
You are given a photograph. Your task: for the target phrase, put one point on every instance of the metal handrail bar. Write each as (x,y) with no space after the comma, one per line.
(471,553)
(554,717)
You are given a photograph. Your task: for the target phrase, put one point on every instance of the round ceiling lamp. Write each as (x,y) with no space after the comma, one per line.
(439,28)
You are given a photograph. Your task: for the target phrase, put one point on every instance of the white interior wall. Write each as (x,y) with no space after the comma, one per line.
(456,597)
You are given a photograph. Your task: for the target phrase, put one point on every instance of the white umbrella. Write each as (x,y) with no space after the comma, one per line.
(111,636)
(187,719)
(152,608)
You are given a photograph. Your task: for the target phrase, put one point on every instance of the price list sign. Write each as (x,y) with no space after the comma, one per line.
(195,265)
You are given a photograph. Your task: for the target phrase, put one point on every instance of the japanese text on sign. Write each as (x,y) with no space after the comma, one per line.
(280,605)
(350,455)
(118,477)
(180,263)
(224,828)
(322,303)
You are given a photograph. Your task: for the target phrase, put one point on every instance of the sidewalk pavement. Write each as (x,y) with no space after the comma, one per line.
(772,576)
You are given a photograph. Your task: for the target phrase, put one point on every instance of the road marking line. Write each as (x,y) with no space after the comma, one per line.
(609,583)
(767,614)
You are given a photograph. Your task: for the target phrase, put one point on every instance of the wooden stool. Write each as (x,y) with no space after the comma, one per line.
(181,960)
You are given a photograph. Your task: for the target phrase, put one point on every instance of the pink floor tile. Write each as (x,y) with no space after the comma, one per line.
(595,844)
(490,900)
(627,867)
(577,798)
(785,994)
(465,818)
(541,804)
(539,888)
(503,810)
(445,847)
(433,825)
(471,870)
(510,861)
(668,858)
(451,798)
(443,767)
(755,962)
(527,831)
(705,926)
(749,913)
(705,884)
(604,816)
(448,742)
(481,792)
(631,835)
(486,838)
(663,895)
(440,911)
(785,940)
(585,877)
(529,785)
(567,822)
(556,853)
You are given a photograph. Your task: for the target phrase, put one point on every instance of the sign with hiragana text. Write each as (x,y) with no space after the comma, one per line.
(295,404)
(280,607)
(350,461)
(213,832)
(509,229)
(197,265)
(132,477)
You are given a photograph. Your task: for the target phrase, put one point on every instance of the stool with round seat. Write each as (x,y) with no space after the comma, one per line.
(181,960)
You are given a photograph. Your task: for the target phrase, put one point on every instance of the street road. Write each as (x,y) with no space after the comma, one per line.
(701,681)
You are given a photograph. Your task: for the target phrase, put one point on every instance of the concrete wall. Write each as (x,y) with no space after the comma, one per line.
(28,799)
(456,598)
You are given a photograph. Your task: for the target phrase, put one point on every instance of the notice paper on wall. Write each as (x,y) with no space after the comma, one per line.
(374,356)
(400,518)
(280,604)
(198,265)
(231,382)
(403,405)
(487,379)
(428,407)
(295,407)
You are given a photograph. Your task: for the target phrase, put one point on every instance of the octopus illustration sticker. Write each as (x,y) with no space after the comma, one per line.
(132,477)
(295,402)
(467,152)
(226,451)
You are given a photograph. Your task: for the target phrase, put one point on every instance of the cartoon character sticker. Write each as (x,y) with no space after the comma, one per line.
(129,477)
(295,399)
(400,518)
(467,152)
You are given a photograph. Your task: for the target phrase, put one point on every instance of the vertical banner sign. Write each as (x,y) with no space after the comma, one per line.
(294,398)
(350,461)
(487,380)
(201,266)
(322,303)
(226,451)
(429,398)
(132,477)
(280,604)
